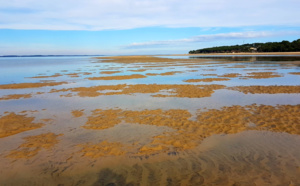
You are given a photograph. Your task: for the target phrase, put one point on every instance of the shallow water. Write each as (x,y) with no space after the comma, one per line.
(178,121)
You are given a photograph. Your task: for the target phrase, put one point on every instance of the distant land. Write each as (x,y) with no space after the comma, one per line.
(283,46)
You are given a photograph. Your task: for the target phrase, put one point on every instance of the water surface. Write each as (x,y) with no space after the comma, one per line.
(180,121)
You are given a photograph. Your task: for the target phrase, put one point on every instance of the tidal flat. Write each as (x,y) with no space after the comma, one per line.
(150,120)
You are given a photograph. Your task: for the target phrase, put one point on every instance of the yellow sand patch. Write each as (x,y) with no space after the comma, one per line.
(189,133)
(15,96)
(30,85)
(34,144)
(73,74)
(103,119)
(77,113)
(262,75)
(12,123)
(138,70)
(110,72)
(267,89)
(102,149)
(191,91)
(294,73)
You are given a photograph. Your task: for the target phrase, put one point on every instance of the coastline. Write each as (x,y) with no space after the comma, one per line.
(238,54)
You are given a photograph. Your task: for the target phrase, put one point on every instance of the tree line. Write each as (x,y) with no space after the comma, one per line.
(283,46)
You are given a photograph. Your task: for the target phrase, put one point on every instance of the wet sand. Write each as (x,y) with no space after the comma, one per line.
(159,121)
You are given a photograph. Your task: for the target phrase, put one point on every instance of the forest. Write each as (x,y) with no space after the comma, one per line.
(283,46)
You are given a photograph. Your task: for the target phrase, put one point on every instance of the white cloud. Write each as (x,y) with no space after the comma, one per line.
(210,38)
(126,14)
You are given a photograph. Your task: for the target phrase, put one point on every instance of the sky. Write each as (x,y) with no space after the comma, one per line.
(127,27)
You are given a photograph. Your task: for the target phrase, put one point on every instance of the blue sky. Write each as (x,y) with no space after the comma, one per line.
(117,27)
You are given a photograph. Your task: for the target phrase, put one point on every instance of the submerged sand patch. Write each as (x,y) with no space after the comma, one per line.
(133,76)
(13,123)
(231,75)
(77,113)
(208,74)
(190,91)
(110,72)
(73,75)
(206,80)
(33,145)
(267,89)
(250,158)
(208,69)
(15,96)
(54,75)
(189,133)
(30,85)
(294,73)
(262,75)
(103,119)
(164,73)
(102,149)
(138,70)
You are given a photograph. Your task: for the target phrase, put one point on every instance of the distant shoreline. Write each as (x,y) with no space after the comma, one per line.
(241,53)
(49,55)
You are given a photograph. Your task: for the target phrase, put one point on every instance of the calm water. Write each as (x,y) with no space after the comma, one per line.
(141,137)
